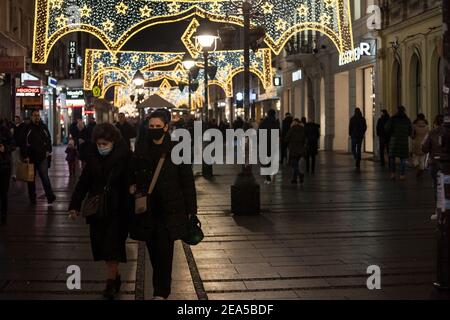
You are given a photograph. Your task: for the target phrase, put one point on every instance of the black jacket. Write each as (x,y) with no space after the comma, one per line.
(286,126)
(312,138)
(357,127)
(36,142)
(95,175)
(127,131)
(269,124)
(381,124)
(174,196)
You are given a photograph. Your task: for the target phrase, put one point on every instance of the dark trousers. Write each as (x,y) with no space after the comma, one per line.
(42,169)
(3,202)
(356,149)
(434,170)
(384,149)
(72,167)
(283,151)
(160,248)
(393,165)
(311,163)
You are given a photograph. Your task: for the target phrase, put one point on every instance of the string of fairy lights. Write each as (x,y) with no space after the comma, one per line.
(114,22)
(106,68)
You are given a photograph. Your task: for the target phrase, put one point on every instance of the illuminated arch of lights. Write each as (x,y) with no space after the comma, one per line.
(104,67)
(114,22)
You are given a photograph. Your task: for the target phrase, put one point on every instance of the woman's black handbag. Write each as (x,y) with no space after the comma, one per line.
(97,205)
(195,234)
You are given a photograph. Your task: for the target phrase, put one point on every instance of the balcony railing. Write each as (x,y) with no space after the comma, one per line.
(302,43)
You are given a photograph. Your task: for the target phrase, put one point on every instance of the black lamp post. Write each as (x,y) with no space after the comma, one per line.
(206,39)
(245,192)
(190,65)
(139,81)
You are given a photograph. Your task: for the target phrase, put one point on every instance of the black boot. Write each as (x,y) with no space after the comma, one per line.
(3,219)
(110,289)
(302,178)
(118,283)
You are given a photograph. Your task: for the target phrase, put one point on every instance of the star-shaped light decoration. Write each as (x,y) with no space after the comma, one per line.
(174,7)
(61,21)
(108,25)
(150,60)
(145,11)
(325,19)
(267,8)
(329,3)
(302,10)
(85,11)
(216,7)
(135,58)
(56,4)
(114,59)
(121,8)
(281,25)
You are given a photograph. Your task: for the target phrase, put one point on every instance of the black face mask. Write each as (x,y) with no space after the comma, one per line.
(155,134)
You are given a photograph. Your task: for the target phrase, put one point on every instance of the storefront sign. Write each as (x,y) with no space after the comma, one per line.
(52,82)
(28,92)
(297,75)
(12,64)
(277,81)
(32,102)
(74,94)
(365,49)
(72,58)
(96,91)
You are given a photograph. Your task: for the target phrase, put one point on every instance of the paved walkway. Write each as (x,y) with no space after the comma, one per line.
(310,242)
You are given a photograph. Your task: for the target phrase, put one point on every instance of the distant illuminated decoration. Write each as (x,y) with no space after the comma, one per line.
(114,22)
(108,69)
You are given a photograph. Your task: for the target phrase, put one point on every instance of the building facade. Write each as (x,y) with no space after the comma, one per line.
(411,60)
(400,65)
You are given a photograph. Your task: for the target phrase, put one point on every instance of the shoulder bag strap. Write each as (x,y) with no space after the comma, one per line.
(156,175)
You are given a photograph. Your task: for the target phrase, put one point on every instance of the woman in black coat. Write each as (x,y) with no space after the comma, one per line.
(5,176)
(296,143)
(171,203)
(107,165)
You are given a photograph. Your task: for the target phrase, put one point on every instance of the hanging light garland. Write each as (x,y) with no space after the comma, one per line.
(114,22)
(105,68)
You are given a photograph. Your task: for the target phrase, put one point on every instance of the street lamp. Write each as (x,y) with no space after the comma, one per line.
(206,40)
(139,81)
(190,65)
(245,192)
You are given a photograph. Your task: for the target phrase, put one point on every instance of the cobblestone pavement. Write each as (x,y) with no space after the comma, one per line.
(310,242)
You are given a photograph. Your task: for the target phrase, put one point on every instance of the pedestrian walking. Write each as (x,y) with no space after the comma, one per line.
(399,128)
(5,176)
(431,145)
(312,131)
(420,130)
(383,137)
(36,148)
(357,132)
(285,127)
(105,174)
(270,123)
(15,147)
(170,204)
(296,144)
(72,157)
(126,129)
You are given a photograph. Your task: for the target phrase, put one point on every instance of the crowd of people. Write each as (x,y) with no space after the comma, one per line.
(117,174)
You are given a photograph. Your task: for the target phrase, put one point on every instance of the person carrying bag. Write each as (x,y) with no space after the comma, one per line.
(165,205)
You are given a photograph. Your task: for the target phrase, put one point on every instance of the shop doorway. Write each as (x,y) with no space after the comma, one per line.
(341,112)
(322,113)
(416,86)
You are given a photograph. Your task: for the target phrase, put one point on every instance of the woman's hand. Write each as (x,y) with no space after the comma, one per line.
(133,189)
(73,215)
